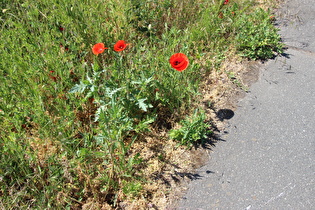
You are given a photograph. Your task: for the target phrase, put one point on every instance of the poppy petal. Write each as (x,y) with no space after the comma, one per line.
(98,48)
(179,61)
(120,45)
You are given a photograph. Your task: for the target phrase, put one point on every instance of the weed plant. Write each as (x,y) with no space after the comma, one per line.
(192,129)
(69,118)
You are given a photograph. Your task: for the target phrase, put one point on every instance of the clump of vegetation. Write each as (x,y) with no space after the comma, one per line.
(83,81)
(192,130)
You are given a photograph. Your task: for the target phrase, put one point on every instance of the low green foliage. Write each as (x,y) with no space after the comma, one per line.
(193,129)
(251,32)
(69,118)
(258,38)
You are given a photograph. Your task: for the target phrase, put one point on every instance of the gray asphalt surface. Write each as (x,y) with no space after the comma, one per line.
(268,158)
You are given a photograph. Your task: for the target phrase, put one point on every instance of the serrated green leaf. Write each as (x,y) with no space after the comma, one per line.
(78,88)
(142,105)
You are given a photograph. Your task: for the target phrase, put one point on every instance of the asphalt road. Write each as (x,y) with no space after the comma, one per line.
(267,160)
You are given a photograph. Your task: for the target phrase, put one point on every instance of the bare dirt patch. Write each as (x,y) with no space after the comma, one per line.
(223,88)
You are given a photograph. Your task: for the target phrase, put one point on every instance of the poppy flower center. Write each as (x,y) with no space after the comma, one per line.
(177,63)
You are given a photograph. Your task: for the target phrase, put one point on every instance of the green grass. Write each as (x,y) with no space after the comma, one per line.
(68,118)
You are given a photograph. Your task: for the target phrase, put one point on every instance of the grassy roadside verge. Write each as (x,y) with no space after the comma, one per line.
(79,130)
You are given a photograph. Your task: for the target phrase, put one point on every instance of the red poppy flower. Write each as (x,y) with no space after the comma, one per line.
(226,2)
(179,61)
(98,48)
(120,45)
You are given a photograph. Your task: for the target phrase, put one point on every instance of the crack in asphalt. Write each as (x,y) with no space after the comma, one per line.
(308,52)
